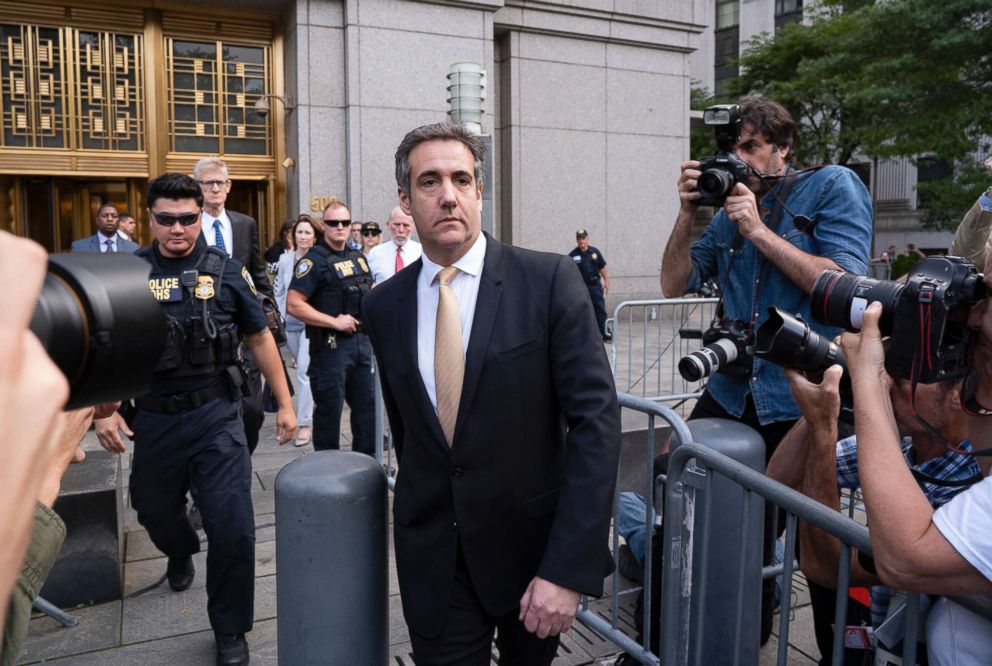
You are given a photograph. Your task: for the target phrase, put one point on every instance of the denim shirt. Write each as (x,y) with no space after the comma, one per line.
(840,206)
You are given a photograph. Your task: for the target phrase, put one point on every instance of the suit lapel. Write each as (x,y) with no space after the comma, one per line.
(486,307)
(406,334)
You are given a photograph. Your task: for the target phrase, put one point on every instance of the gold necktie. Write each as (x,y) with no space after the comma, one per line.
(449,359)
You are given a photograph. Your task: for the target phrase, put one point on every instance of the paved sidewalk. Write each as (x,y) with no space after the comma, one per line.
(153,626)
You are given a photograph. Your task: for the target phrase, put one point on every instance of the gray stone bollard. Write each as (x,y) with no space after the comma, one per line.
(732,547)
(332,576)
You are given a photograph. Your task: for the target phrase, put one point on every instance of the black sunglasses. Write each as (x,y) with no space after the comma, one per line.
(338,223)
(166,220)
(370,232)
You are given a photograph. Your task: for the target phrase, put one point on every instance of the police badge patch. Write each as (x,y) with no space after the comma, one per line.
(303,267)
(594,256)
(204,287)
(247,276)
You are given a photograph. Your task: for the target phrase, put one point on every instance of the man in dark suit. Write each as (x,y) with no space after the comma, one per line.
(236,234)
(504,417)
(106,238)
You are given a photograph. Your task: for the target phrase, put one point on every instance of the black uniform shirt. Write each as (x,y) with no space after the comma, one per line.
(589,262)
(237,297)
(321,267)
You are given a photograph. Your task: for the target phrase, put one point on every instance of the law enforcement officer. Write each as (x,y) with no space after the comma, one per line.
(326,294)
(592,265)
(188,430)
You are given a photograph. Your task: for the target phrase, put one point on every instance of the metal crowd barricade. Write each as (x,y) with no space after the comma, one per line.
(685,632)
(879,270)
(609,628)
(649,338)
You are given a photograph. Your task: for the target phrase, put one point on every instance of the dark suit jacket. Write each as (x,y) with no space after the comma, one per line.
(92,244)
(527,487)
(244,232)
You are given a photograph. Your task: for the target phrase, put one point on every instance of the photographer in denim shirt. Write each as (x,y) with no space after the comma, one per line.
(756,249)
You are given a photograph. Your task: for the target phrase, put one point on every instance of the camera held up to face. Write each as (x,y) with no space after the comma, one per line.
(720,172)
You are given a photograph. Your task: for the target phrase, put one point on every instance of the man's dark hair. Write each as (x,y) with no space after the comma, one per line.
(107,205)
(174,186)
(446,131)
(771,119)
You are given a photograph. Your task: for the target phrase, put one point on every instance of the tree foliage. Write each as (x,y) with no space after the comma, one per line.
(885,78)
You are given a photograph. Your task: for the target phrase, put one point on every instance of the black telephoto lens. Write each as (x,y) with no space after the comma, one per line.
(100,325)
(789,342)
(840,299)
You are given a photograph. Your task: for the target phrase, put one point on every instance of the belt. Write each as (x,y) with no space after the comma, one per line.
(592,280)
(175,404)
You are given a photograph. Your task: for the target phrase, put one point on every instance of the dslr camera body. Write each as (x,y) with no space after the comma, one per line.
(725,349)
(926,318)
(723,170)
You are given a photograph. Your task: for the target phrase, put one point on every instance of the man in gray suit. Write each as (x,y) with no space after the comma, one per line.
(236,234)
(106,238)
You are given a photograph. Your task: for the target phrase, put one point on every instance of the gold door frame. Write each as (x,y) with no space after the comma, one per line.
(152,23)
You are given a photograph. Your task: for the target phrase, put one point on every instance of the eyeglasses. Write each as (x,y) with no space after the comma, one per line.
(166,220)
(337,223)
(210,184)
(371,233)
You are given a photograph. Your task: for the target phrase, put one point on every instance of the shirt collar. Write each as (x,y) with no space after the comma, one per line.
(104,239)
(471,262)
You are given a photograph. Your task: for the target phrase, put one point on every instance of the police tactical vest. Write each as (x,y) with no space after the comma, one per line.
(351,280)
(201,339)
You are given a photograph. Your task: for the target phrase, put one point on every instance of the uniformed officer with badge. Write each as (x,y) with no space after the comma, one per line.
(326,294)
(592,265)
(188,430)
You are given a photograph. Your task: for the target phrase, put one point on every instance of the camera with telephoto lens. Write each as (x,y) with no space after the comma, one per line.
(926,318)
(100,325)
(789,342)
(723,170)
(724,350)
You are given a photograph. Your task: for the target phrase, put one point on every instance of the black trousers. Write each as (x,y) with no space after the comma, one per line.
(772,434)
(467,637)
(204,447)
(598,305)
(341,374)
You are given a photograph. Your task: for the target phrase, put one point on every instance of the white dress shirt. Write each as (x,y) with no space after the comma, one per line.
(465,285)
(382,258)
(103,242)
(226,230)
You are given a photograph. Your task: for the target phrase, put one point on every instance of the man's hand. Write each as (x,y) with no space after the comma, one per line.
(742,208)
(547,609)
(864,352)
(74,427)
(285,424)
(108,431)
(345,324)
(32,394)
(688,180)
(819,403)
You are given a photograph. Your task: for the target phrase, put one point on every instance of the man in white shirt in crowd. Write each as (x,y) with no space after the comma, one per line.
(398,252)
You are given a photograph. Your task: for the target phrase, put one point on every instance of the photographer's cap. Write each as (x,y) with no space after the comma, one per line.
(580,233)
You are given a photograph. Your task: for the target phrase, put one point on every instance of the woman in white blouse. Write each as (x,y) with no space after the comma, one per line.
(302,236)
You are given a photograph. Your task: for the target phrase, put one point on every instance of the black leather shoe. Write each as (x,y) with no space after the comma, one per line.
(180,573)
(232,649)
